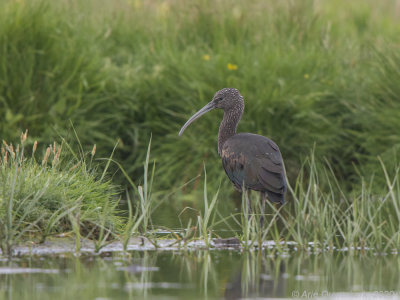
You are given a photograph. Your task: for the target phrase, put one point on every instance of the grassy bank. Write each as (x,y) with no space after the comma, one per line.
(310,71)
(63,192)
(58,192)
(314,74)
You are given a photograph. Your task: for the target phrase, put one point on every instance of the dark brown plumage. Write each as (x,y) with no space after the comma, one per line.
(249,159)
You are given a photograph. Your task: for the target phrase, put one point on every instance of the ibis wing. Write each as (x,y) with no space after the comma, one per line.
(234,168)
(271,173)
(255,161)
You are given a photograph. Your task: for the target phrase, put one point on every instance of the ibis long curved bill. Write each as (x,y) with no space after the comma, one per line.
(206,108)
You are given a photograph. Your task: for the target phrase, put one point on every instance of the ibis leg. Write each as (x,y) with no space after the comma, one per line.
(264,199)
(249,210)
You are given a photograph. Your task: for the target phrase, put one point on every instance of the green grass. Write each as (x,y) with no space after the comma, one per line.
(319,214)
(206,219)
(140,211)
(63,192)
(312,73)
(54,194)
(322,214)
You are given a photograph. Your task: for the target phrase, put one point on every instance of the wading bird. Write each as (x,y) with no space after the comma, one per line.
(251,161)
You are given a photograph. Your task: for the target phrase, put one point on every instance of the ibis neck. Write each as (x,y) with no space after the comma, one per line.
(228,126)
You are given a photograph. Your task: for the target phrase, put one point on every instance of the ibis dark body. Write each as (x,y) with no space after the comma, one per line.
(248,159)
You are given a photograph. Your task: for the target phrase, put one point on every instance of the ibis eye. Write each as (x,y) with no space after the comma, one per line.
(219,99)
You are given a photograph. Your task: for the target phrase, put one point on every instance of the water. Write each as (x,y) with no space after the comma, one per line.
(202,274)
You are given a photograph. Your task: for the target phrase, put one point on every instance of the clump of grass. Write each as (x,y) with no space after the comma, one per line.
(323,215)
(254,229)
(139,218)
(53,194)
(206,221)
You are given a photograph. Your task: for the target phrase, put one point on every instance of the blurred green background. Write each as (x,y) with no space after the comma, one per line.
(323,74)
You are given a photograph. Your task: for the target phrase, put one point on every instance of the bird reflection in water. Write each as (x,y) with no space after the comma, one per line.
(259,276)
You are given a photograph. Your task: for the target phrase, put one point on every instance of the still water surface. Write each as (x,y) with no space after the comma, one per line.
(201,274)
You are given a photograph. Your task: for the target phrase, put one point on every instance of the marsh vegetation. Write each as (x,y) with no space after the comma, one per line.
(319,78)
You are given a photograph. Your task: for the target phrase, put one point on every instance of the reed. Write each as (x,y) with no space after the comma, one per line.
(206,220)
(321,215)
(140,212)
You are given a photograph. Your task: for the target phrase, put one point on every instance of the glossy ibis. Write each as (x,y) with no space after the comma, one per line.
(248,159)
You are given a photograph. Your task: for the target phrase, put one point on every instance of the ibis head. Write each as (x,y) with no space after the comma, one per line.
(228,99)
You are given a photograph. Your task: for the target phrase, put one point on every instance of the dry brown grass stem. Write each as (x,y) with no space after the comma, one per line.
(11,150)
(24,135)
(34,147)
(46,155)
(57,155)
(75,166)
